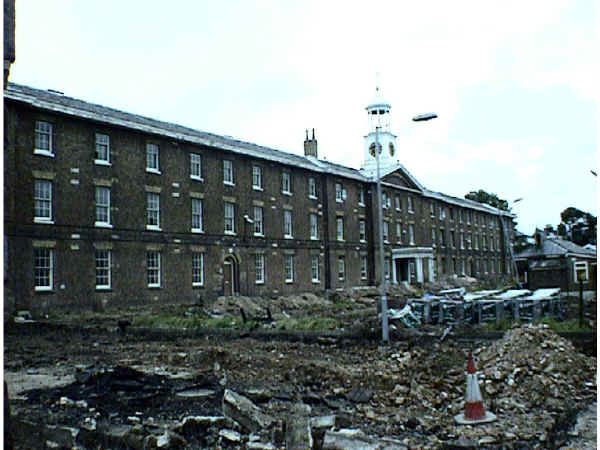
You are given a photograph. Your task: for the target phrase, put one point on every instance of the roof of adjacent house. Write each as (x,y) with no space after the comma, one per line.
(555,247)
(60,103)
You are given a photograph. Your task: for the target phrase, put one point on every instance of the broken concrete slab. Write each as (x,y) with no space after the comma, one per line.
(246,413)
(297,432)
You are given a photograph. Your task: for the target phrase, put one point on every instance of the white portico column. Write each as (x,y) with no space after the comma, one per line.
(431,272)
(394,273)
(419,264)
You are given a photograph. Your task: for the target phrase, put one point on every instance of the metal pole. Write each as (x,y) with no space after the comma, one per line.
(581,303)
(384,315)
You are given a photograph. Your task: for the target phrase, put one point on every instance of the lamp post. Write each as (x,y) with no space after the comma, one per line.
(385,334)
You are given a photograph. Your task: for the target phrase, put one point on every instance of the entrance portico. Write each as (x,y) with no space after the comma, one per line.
(408,265)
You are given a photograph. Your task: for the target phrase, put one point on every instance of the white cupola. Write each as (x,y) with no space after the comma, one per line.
(378,113)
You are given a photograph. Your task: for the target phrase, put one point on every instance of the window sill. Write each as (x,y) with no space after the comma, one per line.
(104,288)
(43,289)
(228,183)
(257,188)
(339,201)
(196,178)
(362,205)
(260,235)
(102,225)
(101,162)
(398,209)
(259,282)
(154,286)
(340,240)
(288,237)
(289,281)
(363,241)
(314,238)
(316,281)
(41,152)
(197,230)
(153,228)
(312,197)
(197,285)
(154,171)
(289,194)
(230,233)
(42,220)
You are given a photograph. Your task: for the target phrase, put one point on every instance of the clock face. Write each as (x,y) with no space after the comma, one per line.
(392,149)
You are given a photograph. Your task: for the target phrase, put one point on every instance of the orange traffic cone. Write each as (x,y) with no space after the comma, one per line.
(474,410)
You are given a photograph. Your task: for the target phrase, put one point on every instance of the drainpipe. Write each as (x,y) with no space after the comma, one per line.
(325,209)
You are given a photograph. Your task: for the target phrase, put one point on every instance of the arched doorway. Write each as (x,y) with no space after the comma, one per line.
(230,276)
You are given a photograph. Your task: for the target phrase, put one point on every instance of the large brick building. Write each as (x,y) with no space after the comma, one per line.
(102,207)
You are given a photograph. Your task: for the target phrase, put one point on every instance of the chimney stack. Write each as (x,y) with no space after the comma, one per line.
(310,145)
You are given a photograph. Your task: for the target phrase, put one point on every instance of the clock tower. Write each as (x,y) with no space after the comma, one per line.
(378,112)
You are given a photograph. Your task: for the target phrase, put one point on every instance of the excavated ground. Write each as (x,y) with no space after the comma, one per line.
(79,374)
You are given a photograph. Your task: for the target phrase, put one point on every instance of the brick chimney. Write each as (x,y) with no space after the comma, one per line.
(310,145)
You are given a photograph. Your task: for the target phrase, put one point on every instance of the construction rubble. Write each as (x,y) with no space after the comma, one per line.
(269,395)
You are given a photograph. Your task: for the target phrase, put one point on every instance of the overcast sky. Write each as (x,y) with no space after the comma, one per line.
(513,82)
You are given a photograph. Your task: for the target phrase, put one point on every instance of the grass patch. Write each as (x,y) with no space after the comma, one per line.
(308,323)
(166,320)
(554,324)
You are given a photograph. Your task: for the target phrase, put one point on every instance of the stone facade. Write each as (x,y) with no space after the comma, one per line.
(107,208)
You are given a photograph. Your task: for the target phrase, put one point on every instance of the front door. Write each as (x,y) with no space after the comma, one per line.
(228,278)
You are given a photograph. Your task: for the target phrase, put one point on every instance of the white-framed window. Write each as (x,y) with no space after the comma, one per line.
(259,268)
(452,239)
(339,193)
(388,202)
(341,268)
(103,269)
(102,206)
(362,230)
(153,268)
(433,237)
(410,206)
(102,151)
(44,138)
(476,242)
(460,220)
(152,158)
(152,211)
(314,227)
(229,218)
(442,212)
(462,267)
(582,268)
(286,183)
(197,223)
(431,209)
(397,203)
(339,226)
(462,240)
(363,268)
(469,240)
(386,231)
(197,269)
(468,217)
(312,188)
(361,196)
(257,178)
(289,268)
(411,234)
(398,232)
(442,237)
(287,224)
(228,172)
(43,268)
(258,221)
(451,212)
(314,266)
(42,201)
(388,268)
(196,166)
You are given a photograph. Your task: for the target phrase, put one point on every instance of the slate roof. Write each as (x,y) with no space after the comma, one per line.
(57,102)
(555,247)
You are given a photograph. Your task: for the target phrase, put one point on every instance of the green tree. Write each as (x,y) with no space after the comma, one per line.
(579,226)
(482,196)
